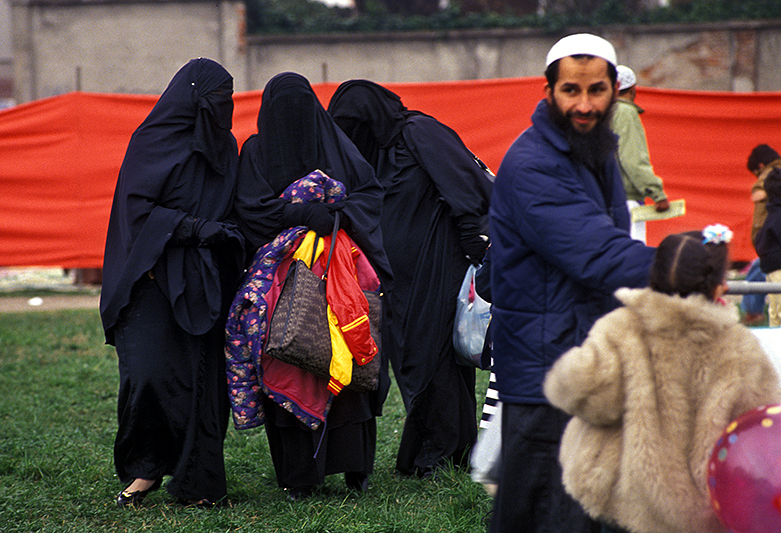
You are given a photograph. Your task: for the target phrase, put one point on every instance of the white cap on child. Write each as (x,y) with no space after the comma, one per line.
(581,43)
(626,77)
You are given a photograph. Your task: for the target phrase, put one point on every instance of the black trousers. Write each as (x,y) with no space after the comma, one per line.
(531,497)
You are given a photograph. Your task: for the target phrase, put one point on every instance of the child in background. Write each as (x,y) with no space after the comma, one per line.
(768,244)
(653,387)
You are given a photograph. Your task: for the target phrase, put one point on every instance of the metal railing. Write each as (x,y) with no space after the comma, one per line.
(753,287)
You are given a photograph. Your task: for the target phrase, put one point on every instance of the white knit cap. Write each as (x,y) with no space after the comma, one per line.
(626,77)
(581,43)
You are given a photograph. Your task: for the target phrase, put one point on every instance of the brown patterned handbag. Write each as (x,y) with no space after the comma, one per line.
(299,333)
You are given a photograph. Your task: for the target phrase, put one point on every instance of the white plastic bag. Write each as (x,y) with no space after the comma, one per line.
(472,317)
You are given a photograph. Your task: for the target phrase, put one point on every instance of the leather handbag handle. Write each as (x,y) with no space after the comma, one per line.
(331,251)
(333,243)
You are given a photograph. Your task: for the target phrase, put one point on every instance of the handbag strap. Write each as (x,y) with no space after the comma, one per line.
(333,244)
(330,251)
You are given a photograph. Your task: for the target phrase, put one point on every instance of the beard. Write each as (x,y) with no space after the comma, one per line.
(590,148)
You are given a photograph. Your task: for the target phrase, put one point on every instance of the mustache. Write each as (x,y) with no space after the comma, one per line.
(590,115)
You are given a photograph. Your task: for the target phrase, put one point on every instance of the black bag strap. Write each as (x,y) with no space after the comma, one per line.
(330,251)
(333,244)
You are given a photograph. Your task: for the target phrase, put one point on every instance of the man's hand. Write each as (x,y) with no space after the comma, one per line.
(758,196)
(663,205)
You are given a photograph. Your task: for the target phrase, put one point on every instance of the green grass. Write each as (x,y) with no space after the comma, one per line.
(58,385)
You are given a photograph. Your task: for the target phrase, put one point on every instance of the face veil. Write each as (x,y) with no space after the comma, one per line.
(371,115)
(289,128)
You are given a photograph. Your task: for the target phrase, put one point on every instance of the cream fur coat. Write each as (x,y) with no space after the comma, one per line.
(651,389)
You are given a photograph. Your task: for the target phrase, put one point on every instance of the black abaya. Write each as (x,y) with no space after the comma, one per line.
(346,443)
(167,287)
(173,411)
(296,136)
(436,198)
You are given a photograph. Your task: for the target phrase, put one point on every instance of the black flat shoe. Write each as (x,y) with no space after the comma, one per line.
(135,497)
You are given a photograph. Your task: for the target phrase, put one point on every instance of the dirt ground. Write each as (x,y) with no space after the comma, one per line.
(14,304)
(44,289)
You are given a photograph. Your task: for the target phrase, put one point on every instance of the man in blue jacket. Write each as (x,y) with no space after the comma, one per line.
(560,248)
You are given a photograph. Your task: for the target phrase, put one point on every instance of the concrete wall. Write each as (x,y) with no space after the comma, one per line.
(419,57)
(136,46)
(123,47)
(708,57)
(728,57)
(6,55)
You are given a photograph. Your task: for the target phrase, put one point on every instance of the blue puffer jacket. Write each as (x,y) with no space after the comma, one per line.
(559,251)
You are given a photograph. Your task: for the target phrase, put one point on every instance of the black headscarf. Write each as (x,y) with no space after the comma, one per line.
(372,116)
(296,136)
(182,160)
(289,131)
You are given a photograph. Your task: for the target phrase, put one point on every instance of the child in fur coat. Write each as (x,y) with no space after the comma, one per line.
(652,388)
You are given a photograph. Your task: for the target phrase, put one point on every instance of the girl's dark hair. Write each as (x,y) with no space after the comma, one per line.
(684,265)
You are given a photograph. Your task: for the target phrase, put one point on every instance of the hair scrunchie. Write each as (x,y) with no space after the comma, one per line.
(716,234)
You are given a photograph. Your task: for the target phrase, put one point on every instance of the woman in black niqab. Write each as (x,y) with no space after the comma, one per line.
(171,267)
(433,221)
(296,136)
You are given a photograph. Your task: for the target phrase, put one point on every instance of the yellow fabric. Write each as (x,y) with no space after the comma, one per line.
(304,250)
(341,358)
(355,323)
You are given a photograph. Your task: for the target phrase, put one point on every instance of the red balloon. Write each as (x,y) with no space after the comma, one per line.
(744,473)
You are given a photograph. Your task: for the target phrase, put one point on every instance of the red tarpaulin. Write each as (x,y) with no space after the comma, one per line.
(59,157)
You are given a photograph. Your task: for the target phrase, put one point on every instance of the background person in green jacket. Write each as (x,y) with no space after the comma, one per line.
(640,182)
